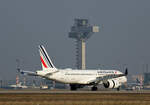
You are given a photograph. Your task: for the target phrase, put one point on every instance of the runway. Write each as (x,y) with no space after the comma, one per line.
(66,97)
(46,97)
(71,92)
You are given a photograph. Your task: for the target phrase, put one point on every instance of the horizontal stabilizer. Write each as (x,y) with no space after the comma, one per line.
(30,73)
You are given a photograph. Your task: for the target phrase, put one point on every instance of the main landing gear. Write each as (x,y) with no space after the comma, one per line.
(94,88)
(118,89)
(73,87)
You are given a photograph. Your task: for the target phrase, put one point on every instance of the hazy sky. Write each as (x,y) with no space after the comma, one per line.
(24,24)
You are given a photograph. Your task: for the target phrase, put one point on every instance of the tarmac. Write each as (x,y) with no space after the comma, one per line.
(70,92)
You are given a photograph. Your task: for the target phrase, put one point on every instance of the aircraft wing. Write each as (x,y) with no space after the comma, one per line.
(107,77)
(30,73)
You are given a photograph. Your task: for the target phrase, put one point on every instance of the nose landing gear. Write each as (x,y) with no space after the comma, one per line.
(94,88)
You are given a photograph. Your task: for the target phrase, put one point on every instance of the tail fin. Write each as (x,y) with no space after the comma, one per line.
(45,59)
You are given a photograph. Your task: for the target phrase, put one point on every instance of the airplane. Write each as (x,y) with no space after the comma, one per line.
(19,86)
(77,78)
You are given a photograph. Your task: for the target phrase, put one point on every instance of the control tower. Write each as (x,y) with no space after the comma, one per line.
(81,31)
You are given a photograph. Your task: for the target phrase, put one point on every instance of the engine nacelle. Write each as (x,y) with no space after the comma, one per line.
(112,84)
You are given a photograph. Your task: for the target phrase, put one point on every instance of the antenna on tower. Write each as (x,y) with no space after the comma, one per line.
(18,64)
(18,68)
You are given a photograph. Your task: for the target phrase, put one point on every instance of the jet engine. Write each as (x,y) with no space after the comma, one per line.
(111,84)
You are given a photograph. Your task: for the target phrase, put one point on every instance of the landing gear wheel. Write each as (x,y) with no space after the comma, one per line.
(118,89)
(73,87)
(94,88)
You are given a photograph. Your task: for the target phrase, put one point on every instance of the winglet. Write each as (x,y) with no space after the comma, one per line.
(126,71)
(18,69)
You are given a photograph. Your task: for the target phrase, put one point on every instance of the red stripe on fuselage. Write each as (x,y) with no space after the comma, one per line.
(43,62)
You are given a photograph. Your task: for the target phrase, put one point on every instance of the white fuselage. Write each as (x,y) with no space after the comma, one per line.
(77,78)
(80,76)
